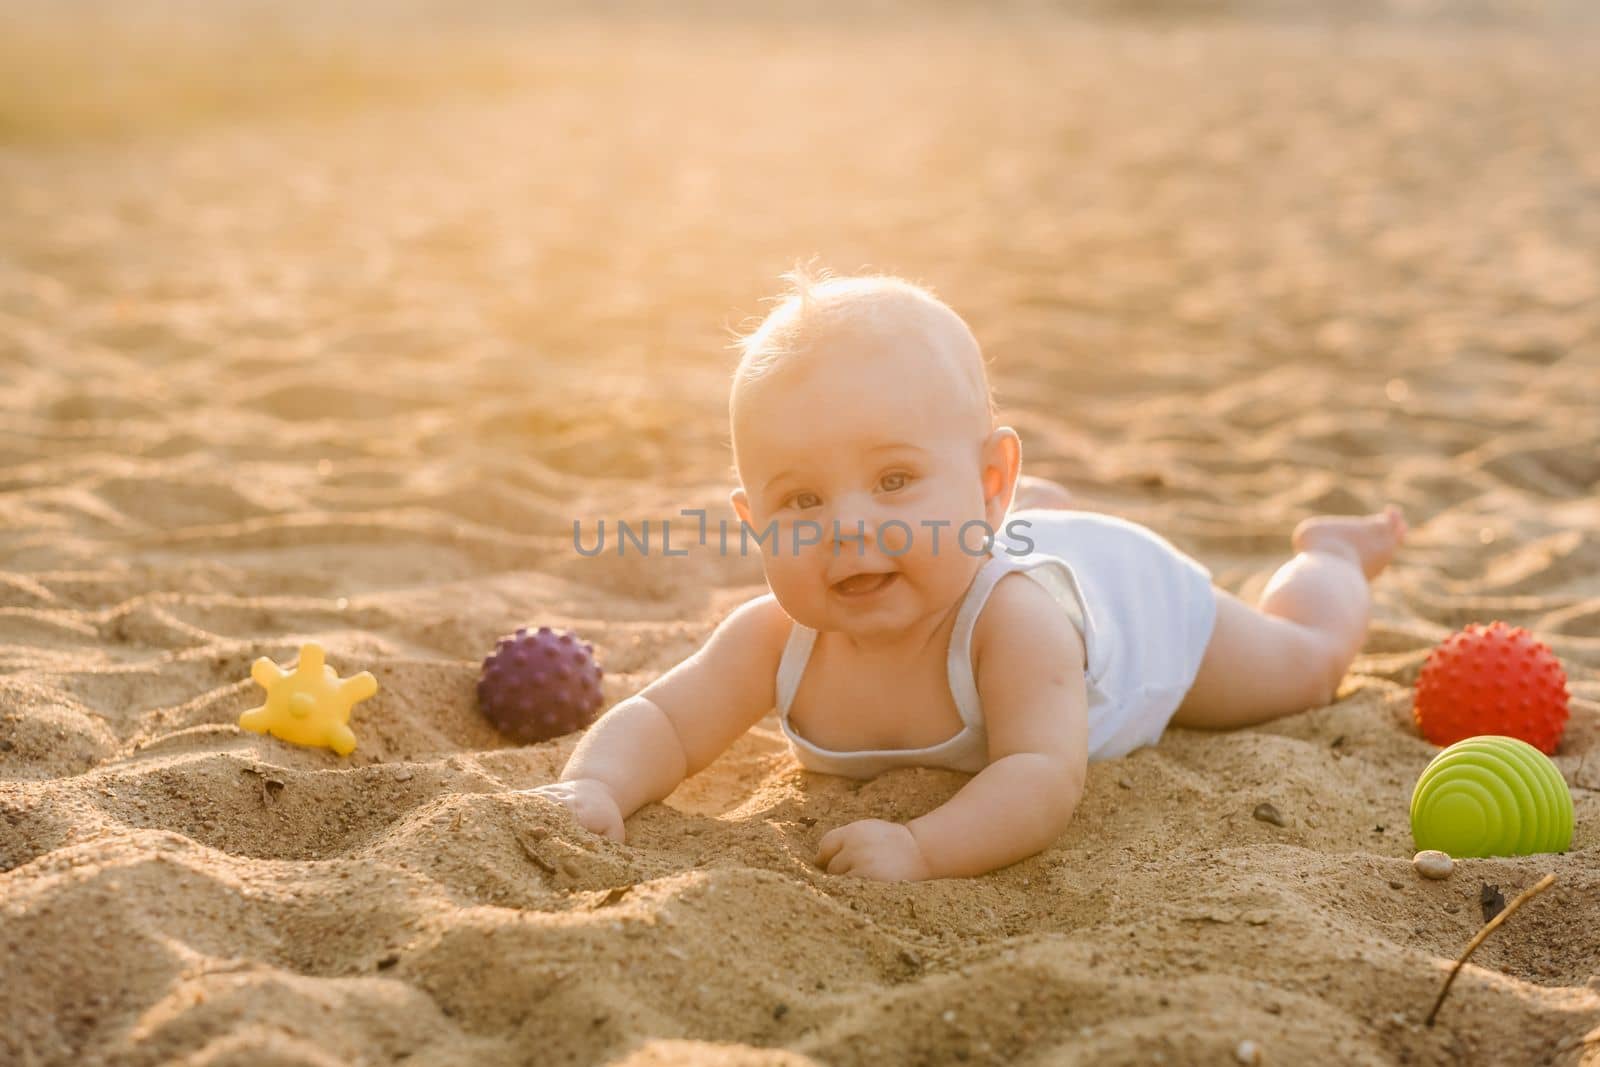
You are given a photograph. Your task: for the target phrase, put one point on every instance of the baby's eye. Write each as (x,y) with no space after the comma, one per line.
(895,480)
(799,500)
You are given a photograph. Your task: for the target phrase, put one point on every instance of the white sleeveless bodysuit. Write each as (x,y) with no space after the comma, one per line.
(1144,608)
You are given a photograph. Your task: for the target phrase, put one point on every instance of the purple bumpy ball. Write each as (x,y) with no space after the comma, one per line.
(536,686)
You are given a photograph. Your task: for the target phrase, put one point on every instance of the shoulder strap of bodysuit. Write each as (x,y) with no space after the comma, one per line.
(793,664)
(962,685)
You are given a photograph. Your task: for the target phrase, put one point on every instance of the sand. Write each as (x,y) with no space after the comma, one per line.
(349,373)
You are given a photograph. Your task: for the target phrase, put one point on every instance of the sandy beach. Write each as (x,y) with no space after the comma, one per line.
(346,366)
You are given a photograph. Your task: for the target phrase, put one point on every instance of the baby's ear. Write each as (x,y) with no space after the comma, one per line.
(1002,465)
(741,505)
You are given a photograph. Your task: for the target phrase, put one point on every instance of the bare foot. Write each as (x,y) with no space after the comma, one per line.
(1370,540)
(1032,492)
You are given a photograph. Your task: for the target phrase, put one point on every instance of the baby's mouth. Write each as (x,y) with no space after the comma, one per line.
(863,584)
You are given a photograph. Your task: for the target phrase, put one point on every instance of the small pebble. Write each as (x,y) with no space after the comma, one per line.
(1431,863)
(1268,813)
(1247,1052)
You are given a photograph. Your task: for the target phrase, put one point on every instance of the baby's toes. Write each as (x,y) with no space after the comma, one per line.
(1397,523)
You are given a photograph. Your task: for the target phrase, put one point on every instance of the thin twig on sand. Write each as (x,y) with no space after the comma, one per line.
(1488,928)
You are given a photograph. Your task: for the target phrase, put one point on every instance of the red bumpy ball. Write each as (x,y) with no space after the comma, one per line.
(536,686)
(1494,679)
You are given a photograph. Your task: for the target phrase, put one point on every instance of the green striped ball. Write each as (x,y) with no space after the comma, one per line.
(1491,796)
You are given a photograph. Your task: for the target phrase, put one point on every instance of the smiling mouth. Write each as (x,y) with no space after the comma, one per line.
(860,585)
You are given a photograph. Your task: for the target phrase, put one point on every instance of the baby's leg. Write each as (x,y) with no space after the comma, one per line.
(1289,652)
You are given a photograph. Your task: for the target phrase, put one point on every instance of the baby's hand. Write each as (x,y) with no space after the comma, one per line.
(873,848)
(590,802)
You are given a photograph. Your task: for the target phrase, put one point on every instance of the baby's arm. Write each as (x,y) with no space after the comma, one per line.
(643,747)
(1035,705)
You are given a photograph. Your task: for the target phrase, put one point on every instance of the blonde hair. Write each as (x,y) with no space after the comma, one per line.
(820,307)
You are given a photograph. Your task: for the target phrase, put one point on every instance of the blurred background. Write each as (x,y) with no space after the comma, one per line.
(481,261)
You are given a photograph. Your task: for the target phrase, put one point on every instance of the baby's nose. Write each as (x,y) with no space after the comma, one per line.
(861,526)
(853,521)
(849,532)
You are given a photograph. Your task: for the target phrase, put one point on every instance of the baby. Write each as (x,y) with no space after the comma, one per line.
(899,632)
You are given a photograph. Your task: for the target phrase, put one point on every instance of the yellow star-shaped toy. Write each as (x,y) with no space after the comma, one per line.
(309,705)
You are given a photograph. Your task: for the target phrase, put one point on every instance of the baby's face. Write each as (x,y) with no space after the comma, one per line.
(895,451)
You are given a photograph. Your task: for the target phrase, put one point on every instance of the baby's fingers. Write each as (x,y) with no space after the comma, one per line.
(831,843)
(547,792)
(562,797)
(843,863)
